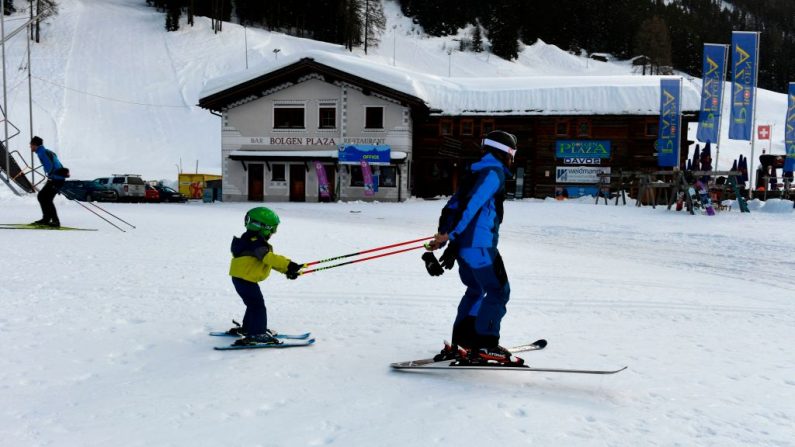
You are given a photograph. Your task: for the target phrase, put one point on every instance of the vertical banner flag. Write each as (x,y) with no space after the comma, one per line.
(789,133)
(745,65)
(669,133)
(714,73)
(322,180)
(367,174)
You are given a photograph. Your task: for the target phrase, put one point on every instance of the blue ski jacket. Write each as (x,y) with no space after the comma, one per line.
(50,162)
(474,213)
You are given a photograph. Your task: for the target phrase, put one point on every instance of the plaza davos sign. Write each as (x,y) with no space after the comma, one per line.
(582,149)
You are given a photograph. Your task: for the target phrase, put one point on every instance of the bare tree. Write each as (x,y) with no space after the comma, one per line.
(44,9)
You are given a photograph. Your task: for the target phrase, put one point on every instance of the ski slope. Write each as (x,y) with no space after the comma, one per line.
(104,334)
(114,93)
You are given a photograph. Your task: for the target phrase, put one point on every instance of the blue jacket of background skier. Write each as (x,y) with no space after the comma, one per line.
(472,217)
(50,163)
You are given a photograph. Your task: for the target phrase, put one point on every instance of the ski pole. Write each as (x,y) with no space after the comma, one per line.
(117,217)
(96,213)
(365,252)
(364,259)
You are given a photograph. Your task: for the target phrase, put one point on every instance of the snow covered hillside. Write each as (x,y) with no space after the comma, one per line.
(113,92)
(104,334)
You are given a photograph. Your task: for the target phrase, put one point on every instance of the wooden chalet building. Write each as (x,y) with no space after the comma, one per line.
(279,121)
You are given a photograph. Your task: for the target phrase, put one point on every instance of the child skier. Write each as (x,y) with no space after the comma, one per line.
(252,261)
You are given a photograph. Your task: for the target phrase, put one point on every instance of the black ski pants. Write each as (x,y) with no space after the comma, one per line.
(46,196)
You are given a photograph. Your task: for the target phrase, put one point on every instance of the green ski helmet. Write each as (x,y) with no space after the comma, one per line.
(262,221)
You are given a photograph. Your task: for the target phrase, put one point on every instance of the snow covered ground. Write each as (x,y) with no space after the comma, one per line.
(104,333)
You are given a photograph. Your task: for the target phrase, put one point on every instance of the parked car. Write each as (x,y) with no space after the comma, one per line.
(88,191)
(129,187)
(170,195)
(152,194)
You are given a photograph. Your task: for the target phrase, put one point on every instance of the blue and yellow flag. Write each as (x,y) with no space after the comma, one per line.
(789,131)
(669,133)
(709,119)
(745,66)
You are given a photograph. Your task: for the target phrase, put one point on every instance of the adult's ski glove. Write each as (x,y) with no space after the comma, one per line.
(431,264)
(293,270)
(447,260)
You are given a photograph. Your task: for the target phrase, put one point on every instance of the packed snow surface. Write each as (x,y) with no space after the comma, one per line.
(104,334)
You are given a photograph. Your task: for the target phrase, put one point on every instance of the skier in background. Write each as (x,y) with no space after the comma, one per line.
(56,177)
(252,261)
(469,225)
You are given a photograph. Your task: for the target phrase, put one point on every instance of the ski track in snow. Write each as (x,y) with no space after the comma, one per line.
(104,333)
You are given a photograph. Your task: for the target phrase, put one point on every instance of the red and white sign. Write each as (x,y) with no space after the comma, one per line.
(763,132)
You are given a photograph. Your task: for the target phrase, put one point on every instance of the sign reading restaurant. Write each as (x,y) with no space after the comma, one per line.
(303,141)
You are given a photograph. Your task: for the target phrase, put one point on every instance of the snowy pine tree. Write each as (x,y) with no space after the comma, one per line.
(374,23)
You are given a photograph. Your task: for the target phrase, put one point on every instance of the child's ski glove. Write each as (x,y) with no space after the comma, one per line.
(293,270)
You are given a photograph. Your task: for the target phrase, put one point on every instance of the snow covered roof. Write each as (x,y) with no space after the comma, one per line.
(527,95)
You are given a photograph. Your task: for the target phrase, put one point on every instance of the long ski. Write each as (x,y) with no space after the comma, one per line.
(534,346)
(284,344)
(451,367)
(279,335)
(41,227)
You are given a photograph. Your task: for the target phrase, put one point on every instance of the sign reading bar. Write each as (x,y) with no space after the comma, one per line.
(582,148)
(301,141)
(354,154)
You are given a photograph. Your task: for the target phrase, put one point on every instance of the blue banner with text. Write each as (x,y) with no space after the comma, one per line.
(712,92)
(669,133)
(745,60)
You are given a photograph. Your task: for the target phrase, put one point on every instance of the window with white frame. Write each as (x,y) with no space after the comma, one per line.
(327,116)
(289,116)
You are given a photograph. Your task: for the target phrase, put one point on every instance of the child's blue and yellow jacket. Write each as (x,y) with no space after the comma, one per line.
(253,258)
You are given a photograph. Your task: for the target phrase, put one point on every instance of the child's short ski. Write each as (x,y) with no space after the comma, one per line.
(705,200)
(534,346)
(283,344)
(452,366)
(303,336)
(41,227)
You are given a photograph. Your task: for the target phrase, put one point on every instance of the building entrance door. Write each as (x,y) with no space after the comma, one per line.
(297,183)
(256,181)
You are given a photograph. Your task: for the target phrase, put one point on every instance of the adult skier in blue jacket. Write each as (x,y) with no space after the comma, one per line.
(469,226)
(56,177)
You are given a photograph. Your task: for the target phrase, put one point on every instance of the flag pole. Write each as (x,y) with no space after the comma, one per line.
(751,173)
(722,94)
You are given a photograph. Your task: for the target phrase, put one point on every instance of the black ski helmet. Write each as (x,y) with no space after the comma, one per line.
(502,141)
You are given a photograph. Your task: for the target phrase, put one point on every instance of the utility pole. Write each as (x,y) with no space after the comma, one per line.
(30,93)
(5,91)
